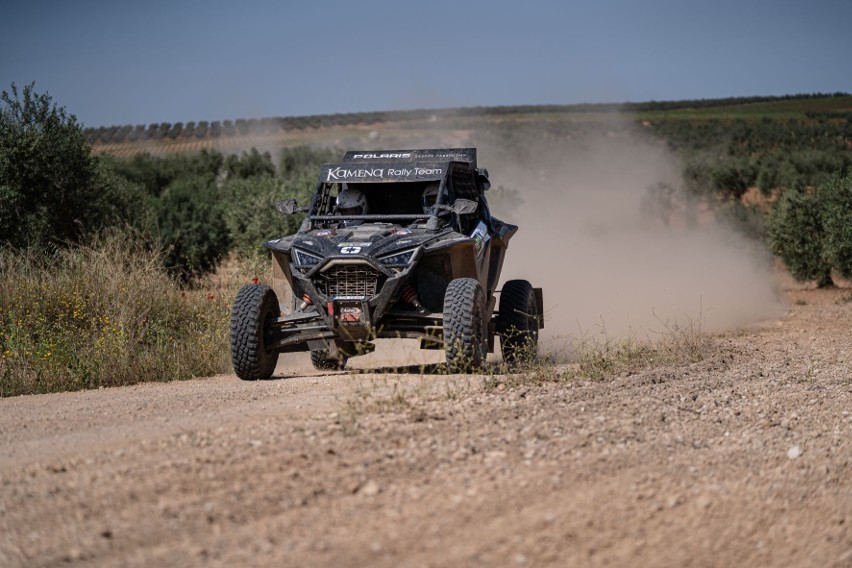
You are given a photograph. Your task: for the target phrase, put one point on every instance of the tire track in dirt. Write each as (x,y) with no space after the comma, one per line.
(687,465)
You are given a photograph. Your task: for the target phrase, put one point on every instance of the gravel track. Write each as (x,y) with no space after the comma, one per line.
(742,459)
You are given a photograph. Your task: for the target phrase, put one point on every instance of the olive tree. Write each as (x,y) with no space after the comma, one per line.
(836,199)
(811,231)
(52,189)
(797,235)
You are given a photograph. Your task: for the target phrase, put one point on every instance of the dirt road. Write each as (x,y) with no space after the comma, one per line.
(743,459)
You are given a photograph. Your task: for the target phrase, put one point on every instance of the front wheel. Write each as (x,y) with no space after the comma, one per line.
(254,308)
(518,322)
(464,325)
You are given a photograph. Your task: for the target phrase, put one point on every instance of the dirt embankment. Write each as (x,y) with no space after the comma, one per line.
(743,459)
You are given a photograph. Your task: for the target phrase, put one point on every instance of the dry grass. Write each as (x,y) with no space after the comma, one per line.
(594,358)
(601,357)
(101,315)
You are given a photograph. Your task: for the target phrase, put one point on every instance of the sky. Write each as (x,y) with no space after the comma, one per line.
(112,62)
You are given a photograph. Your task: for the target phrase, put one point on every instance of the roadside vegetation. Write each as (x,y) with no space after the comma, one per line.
(103,313)
(811,231)
(111,269)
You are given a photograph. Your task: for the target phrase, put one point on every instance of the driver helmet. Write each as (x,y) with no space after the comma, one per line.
(351,202)
(430,197)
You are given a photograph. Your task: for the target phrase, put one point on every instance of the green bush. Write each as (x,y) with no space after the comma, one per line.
(51,186)
(250,164)
(836,199)
(250,215)
(190,223)
(796,234)
(156,173)
(301,161)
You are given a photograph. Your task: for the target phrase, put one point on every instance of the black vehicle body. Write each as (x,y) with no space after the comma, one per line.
(342,281)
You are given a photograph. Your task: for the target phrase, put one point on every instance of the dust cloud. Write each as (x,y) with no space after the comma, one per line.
(611,261)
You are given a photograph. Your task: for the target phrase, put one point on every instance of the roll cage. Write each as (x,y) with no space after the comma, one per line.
(401,200)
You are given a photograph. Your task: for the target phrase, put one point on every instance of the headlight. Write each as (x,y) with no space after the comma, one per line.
(305,258)
(398,258)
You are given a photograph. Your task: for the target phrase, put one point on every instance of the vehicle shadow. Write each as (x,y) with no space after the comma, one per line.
(422,369)
(427,369)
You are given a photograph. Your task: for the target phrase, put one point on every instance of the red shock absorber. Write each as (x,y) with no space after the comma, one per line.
(408,293)
(409,296)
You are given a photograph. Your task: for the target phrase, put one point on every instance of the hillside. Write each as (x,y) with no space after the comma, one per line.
(361,129)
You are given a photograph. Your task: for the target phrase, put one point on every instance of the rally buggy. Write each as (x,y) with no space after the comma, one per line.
(398,267)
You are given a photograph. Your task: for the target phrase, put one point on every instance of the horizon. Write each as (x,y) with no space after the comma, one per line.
(725,101)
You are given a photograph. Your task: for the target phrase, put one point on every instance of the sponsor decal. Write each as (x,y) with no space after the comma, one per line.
(381,156)
(408,172)
(326,233)
(480,237)
(341,173)
(350,315)
(358,244)
(350,250)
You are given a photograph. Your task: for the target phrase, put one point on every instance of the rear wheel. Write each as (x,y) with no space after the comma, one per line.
(518,322)
(464,325)
(323,362)
(254,309)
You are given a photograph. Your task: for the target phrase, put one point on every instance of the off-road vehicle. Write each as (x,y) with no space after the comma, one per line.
(420,257)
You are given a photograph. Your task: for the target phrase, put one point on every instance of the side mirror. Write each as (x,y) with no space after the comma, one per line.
(465,207)
(287,206)
(482,174)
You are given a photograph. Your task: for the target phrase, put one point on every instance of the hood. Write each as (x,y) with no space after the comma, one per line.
(370,240)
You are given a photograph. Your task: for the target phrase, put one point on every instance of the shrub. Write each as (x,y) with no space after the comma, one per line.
(836,199)
(157,173)
(797,235)
(190,222)
(250,215)
(303,160)
(51,187)
(250,164)
(812,231)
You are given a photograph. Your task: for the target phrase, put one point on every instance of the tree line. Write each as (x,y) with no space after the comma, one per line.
(54,190)
(117,134)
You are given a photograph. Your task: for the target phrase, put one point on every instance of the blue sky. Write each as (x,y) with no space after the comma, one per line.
(114,62)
